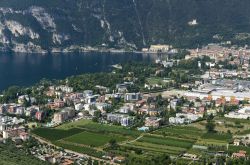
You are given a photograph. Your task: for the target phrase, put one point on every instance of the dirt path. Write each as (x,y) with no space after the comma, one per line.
(132,141)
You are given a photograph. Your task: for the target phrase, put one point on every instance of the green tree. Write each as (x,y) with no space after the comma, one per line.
(210,126)
(113,143)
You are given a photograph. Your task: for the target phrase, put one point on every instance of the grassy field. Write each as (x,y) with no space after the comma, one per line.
(236,126)
(84,135)
(244,132)
(55,134)
(223,125)
(186,132)
(156,149)
(217,136)
(81,149)
(103,128)
(92,139)
(207,142)
(155,80)
(75,124)
(170,141)
(156,143)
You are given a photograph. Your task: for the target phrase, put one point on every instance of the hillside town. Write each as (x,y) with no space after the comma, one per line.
(218,93)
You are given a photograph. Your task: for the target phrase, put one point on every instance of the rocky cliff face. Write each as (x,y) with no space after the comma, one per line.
(45,25)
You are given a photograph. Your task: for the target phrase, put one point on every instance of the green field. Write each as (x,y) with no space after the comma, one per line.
(154,80)
(103,128)
(219,139)
(92,139)
(81,149)
(186,132)
(217,136)
(75,124)
(156,149)
(212,142)
(170,141)
(55,134)
(84,135)
(244,132)
(227,124)
(237,148)
(153,144)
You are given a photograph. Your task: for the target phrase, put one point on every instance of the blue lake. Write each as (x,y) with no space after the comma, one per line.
(27,69)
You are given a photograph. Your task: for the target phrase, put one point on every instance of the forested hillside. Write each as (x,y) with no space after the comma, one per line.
(132,24)
(10,155)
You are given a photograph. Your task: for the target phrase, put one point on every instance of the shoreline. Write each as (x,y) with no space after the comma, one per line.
(85,51)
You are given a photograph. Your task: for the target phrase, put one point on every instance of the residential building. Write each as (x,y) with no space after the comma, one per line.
(183,118)
(70,112)
(79,106)
(24,136)
(122,88)
(240,154)
(236,142)
(56,104)
(22,98)
(124,120)
(132,97)
(168,64)
(176,120)
(64,88)
(102,106)
(20,110)
(140,103)
(3,108)
(90,99)
(243,113)
(65,114)
(60,117)
(124,109)
(173,103)
(88,93)
(40,115)
(31,111)
(12,133)
(153,122)
(160,48)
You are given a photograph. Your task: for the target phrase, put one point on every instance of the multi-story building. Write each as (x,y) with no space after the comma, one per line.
(65,114)
(70,112)
(40,115)
(132,97)
(65,88)
(153,122)
(124,120)
(60,117)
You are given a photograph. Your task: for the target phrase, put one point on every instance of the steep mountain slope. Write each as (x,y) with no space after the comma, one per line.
(37,25)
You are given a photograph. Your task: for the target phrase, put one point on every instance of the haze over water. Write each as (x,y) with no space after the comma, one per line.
(27,69)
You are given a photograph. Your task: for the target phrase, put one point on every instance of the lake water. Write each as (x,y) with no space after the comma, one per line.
(27,69)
